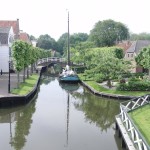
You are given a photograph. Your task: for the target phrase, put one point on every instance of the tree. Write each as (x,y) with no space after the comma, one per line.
(62,43)
(46,42)
(141,36)
(32,37)
(107,32)
(75,39)
(143,58)
(103,61)
(18,48)
(27,58)
(79,52)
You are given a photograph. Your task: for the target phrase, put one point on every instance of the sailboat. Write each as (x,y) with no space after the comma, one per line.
(68,75)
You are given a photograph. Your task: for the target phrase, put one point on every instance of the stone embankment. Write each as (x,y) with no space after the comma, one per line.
(10,100)
(113,96)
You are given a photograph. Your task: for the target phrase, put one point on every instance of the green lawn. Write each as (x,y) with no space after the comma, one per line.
(141,118)
(26,87)
(100,88)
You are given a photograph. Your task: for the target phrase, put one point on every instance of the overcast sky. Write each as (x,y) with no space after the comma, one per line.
(38,17)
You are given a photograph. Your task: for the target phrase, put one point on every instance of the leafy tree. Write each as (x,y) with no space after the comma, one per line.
(62,43)
(75,39)
(32,37)
(18,48)
(105,62)
(141,36)
(143,58)
(79,52)
(107,32)
(27,58)
(46,42)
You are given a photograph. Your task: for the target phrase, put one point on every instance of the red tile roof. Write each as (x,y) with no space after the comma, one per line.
(124,45)
(24,37)
(14,24)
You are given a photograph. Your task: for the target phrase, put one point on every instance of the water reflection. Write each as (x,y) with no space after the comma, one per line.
(70,88)
(20,120)
(62,117)
(97,110)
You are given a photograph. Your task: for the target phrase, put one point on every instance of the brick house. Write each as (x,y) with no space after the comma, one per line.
(133,51)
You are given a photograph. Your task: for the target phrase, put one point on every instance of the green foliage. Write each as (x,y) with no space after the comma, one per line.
(79,53)
(143,58)
(46,42)
(107,32)
(75,39)
(62,43)
(99,78)
(32,37)
(135,84)
(104,60)
(140,36)
(18,54)
(119,53)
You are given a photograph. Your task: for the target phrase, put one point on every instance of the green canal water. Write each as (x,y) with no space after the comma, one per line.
(60,117)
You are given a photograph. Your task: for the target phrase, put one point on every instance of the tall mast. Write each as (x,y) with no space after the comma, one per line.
(68,43)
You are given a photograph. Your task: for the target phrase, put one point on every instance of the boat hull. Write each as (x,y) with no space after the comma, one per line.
(70,79)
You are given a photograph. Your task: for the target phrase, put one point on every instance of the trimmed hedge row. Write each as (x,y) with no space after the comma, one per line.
(134,86)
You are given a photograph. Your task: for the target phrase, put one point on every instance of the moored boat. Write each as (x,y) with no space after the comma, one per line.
(68,75)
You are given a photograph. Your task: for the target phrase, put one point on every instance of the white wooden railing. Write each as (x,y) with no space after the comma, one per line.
(132,130)
(50,59)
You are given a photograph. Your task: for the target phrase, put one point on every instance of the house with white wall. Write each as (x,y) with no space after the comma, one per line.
(6,40)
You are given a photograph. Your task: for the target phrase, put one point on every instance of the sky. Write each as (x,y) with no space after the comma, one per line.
(38,17)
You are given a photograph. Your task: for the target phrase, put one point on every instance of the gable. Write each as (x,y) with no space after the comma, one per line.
(13,24)
(137,46)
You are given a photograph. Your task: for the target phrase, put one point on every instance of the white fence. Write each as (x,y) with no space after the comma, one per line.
(135,135)
(50,59)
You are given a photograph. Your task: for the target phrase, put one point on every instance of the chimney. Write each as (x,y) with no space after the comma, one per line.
(17,29)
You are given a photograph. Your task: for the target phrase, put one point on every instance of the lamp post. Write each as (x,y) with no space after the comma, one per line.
(9,73)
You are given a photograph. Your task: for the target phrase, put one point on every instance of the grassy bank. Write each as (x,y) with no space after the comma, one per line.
(100,88)
(27,86)
(141,118)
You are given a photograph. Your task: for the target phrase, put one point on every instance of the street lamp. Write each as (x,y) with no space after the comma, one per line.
(9,72)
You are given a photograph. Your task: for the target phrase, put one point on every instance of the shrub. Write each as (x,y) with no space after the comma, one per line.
(134,85)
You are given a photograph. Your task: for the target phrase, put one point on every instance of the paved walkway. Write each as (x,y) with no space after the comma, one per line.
(4,83)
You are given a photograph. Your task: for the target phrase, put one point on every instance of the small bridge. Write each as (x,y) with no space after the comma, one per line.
(46,61)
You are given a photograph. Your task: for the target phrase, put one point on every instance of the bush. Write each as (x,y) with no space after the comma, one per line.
(134,85)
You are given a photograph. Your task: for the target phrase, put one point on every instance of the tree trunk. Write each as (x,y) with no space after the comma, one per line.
(109,83)
(24,74)
(18,79)
(27,72)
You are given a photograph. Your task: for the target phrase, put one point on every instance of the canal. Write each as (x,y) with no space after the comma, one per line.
(60,117)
